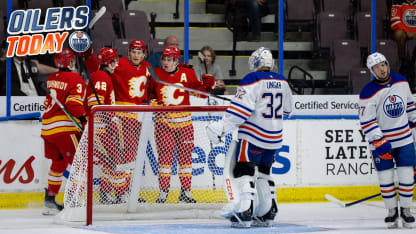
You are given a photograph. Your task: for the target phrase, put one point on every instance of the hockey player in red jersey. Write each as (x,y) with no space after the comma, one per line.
(59,133)
(130,81)
(174,131)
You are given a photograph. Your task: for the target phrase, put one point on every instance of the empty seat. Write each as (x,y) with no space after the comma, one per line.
(2,30)
(156,45)
(344,6)
(73,2)
(115,7)
(346,55)
(135,25)
(103,34)
(305,13)
(42,4)
(358,78)
(381,7)
(389,49)
(331,26)
(121,46)
(363,28)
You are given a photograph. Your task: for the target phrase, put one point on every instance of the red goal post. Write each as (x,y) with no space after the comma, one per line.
(147,161)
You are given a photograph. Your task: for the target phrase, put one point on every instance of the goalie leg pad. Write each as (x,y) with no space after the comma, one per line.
(243,207)
(265,207)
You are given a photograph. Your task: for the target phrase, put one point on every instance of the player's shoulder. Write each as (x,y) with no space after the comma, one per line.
(397,78)
(255,77)
(145,63)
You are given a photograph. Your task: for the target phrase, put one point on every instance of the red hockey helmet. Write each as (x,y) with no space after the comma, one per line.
(138,44)
(63,59)
(106,55)
(172,52)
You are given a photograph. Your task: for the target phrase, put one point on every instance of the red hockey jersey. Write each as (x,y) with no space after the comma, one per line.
(403,15)
(69,89)
(104,88)
(129,82)
(172,96)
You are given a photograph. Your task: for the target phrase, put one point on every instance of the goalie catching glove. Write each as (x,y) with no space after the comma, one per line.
(208,81)
(382,148)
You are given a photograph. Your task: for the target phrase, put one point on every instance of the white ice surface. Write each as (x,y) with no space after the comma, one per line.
(362,218)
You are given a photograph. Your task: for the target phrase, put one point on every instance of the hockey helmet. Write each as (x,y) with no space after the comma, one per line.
(137,44)
(106,55)
(171,51)
(262,57)
(375,58)
(63,59)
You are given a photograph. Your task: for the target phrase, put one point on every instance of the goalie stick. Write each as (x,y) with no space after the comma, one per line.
(153,74)
(344,204)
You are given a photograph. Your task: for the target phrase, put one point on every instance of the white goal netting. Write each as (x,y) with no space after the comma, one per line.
(147,162)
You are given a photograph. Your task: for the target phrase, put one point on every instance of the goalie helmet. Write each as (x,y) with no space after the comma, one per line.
(137,44)
(106,55)
(172,52)
(262,57)
(63,59)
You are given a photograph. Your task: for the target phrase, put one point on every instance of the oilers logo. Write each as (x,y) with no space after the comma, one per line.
(409,18)
(393,106)
(79,41)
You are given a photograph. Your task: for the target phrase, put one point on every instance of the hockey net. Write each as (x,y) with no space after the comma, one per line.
(139,154)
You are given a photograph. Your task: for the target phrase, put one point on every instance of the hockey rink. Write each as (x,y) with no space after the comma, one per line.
(325,218)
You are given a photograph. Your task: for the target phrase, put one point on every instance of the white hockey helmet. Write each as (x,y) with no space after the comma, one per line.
(375,58)
(262,57)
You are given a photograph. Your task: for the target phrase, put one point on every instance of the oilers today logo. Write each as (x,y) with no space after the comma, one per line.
(394,106)
(79,41)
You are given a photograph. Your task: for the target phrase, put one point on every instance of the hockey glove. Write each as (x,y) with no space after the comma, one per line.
(215,132)
(86,54)
(187,65)
(209,81)
(383,148)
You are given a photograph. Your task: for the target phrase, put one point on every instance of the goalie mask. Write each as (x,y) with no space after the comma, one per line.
(374,59)
(262,57)
(63,59)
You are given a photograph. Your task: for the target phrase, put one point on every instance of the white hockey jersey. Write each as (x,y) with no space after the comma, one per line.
(258,107)
(386,110)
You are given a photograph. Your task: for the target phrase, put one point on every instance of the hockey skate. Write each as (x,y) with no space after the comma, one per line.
(407,217)
(185,197)
(243,219)
(163,196)
(392,219)
(50,206)
(106,198)
(267,219)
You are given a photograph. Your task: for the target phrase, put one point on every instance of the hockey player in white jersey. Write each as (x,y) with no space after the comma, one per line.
(386,109)
(262,99)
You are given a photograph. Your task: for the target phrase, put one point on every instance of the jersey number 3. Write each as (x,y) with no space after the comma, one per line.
(274,104)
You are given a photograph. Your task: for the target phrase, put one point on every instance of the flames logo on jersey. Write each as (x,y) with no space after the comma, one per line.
(394,106)
(409,18)
(137,86)
(168,95)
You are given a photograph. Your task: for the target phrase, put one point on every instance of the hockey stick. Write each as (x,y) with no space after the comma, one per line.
(62,107)
(94,20)
(344,204)
(202,57)
(153,74)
